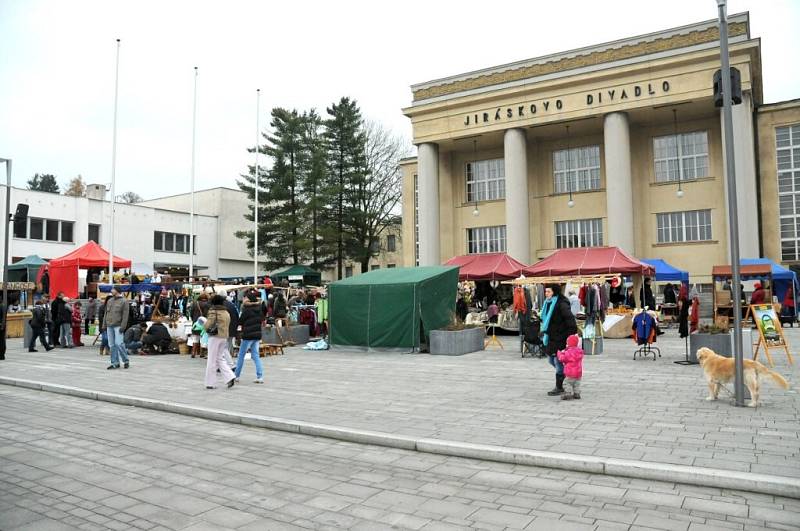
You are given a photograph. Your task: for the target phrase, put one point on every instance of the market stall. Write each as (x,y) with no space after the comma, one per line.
(784,286)
(298,275)
(485,271)
(667,273)
(64,270)
(391,308)
(722,302)
(26,269)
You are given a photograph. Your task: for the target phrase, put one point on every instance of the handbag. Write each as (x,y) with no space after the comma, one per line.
(214,330)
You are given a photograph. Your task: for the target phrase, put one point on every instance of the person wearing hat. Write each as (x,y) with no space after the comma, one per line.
(572,359)
(759,296)
(557,325)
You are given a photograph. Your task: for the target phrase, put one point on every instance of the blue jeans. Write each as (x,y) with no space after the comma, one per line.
(116,344)
(252,346)
(66,335)
(559,367)
(133,346)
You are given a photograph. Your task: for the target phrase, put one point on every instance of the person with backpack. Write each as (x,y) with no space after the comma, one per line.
(38,325)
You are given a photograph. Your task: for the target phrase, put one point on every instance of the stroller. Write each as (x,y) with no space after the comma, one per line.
(531,342)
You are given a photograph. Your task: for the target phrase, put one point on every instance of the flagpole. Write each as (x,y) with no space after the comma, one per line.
(191,211)
(113,173)
(255,206)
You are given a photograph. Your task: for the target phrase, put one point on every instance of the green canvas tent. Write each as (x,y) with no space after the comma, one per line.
(392,308)
(309,276)
(26,269)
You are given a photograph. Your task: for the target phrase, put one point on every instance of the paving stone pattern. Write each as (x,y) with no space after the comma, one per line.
(71,463)
(643,410)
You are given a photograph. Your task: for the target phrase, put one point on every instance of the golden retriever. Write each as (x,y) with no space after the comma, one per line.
(720,370)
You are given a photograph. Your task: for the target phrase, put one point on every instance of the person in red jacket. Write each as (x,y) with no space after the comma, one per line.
(572,359)
(759,296)
(77,321)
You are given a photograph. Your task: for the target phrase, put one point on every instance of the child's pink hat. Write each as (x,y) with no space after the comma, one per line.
(572,341)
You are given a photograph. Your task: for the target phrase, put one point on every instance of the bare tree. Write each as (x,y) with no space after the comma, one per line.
(376,198)
(130,197)
(76,187)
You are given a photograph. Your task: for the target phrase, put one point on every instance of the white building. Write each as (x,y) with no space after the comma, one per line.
(153,233)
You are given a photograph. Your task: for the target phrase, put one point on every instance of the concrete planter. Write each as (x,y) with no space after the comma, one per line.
(456,342)
(297,333)
(719,343)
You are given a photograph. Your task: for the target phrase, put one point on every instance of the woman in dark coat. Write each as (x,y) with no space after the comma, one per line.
(251,319)
(558,323)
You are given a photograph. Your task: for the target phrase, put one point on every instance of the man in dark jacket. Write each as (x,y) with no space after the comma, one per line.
(55,312)
(646,295)
(558,323)
(252,316)
(38,324)
(133,338)
(157,338)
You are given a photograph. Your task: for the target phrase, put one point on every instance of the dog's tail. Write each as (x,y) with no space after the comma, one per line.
(780,380)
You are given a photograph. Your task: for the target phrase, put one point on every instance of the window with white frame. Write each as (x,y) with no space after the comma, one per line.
(689,226)
(486,180)
(416,220)
(173,243)
(584,169)
(687,151)
(486,240)
(52,230)
(579,233)
(787,143)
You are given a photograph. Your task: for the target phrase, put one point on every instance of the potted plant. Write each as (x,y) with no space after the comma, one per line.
(457,338)
(717,338)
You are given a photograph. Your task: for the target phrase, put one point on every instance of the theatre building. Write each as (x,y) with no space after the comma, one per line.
(615,144)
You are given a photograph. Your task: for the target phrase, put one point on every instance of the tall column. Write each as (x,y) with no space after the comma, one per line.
(745,165)
(518,235)
(619,184)
(428,190)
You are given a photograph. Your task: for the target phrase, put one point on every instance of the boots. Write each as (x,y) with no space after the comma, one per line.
(559,389)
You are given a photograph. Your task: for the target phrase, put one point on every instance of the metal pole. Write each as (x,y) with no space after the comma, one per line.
(191,211)
(733,215)
(113,174)
(5,252)
(255,205)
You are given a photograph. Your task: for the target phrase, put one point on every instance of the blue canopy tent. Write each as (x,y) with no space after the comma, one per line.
(665,272)
(783,279)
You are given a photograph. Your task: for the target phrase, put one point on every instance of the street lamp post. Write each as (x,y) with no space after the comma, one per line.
(113,174)
(5,249)
(191,211)
(733,216)
(255,185)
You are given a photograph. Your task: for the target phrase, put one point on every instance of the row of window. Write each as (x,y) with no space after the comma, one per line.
(172,242)
(787,141)
(672,227)
(578,169)
(348,270)
(51,230)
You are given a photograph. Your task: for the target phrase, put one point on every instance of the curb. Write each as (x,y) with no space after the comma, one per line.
(700,476)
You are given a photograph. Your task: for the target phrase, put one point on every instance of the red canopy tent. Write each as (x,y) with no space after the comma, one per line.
(589,261)
(489,266)
(64,270)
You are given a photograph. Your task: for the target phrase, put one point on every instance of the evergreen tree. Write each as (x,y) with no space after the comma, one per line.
(43,183)
(345,145)
(282,238)
(318,194)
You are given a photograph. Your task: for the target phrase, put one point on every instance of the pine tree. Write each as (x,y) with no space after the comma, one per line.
(345,145)
(43,183)
(318,194)
(282,238)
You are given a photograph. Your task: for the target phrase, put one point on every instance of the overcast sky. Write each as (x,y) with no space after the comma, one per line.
(57,69)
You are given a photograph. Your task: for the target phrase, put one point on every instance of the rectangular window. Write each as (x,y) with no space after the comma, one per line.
(687,151)
(348,271)
(94,232)
(787,143)
(37,229)
(486,240)
(391,243)
(690,226)
(169,241)
(486,180)
(579,233)
(375,267)
(180,241)
(67,229)
(416,220)
(51,230)
(390,266)
(578,173)
(158,241)
(21,231)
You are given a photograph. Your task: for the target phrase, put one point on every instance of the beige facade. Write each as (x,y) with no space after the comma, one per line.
(624,103)
(390,254)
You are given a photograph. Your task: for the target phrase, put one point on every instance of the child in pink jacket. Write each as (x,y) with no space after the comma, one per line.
(572,358)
